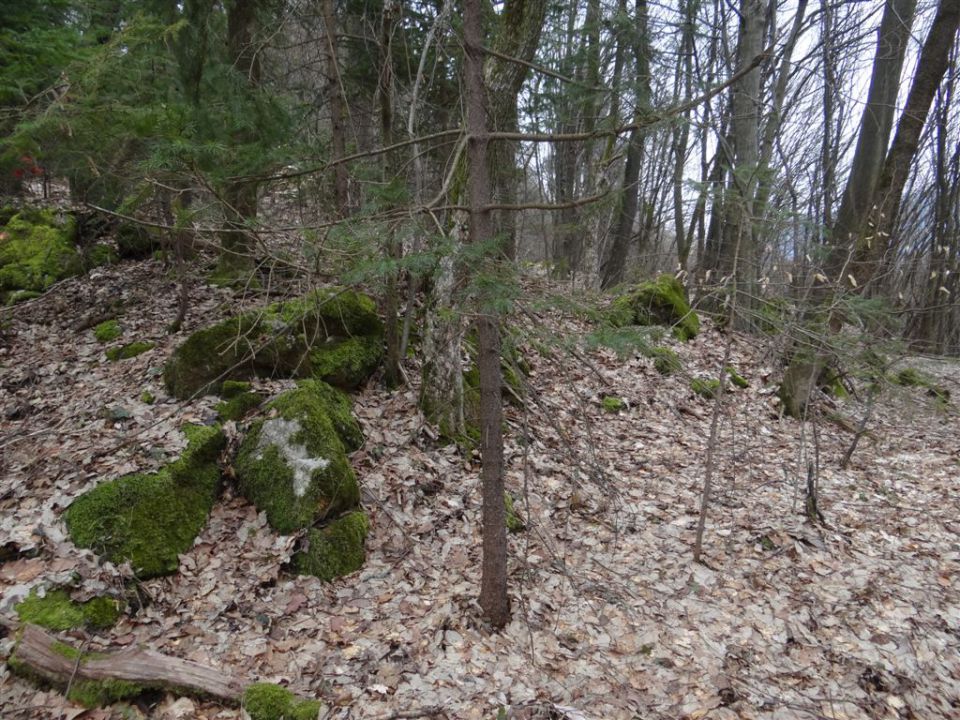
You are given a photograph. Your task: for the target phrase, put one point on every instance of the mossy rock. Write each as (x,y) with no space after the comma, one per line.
(130,350)
(56,611)
(293,465)
(238,405)
(265,701)
(332,334)
(705,387)
(665,360)
(150,519)
(107,331)
(662,301)
(36,250)
(334,550)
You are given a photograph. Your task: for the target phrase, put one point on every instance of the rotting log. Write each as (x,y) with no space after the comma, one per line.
(62,665)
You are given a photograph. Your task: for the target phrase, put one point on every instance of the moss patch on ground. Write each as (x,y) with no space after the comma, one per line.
(36,250)
(265,701)
(150,519)
(514,522)
(331,334)
(662,301)
(107,331)
(294,466)
(665,360)
(705,387)
(130,350)
(334,550)
(612,404)
(56,611)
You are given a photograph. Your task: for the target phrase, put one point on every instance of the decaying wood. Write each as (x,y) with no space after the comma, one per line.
(43,654)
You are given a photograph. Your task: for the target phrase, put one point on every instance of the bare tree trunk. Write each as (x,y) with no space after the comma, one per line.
(876,125)
(391,372)
(612,265)
(493,591)
(875,240)
(240,197)
(337,113)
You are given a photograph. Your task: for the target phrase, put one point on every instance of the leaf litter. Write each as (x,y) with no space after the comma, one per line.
(611,617)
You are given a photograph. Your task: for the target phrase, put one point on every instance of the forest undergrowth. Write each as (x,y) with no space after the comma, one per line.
(855,618)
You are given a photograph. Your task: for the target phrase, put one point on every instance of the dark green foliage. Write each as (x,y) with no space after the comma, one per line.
(332,334)
(662,301)
(56,611)
(334,550)
(151,519)
(265,701)
(136,242)
(293,465)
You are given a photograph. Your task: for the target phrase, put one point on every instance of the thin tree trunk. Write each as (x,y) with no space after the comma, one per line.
(337,113)
(493,590)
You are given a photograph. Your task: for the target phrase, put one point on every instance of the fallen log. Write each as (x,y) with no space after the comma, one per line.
(94,678)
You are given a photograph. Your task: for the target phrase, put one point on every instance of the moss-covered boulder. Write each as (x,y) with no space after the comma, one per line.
(662,301)
(238,400)
(293,464)
(334,550)
(150,519)
(36,250)
(331,334)
(56,611)
(265,701)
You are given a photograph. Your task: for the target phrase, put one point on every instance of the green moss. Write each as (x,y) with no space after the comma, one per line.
(147,397)
(661,301)
(18,296)
(665,360)
(130,350)
(107,331)
(612,404)
(735,378)
(331,334)
(36,250)
(348,362)
(334,550)
(238,406)
(233,388)
(910,377)
(514,523)
(339,409)
(151,519)
(265,701)
(100,254)
(705,387)
(96,693)
(298,471)
(56,611)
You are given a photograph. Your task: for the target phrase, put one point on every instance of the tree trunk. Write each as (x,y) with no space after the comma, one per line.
(493,591)
(337,113)
(613,263)
(876,125)
(875,239)
(240,198)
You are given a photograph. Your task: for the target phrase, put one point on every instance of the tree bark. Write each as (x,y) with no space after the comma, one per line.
(493,590)
(337,113)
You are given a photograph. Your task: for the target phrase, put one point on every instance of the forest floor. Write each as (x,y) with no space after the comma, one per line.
(857,618)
